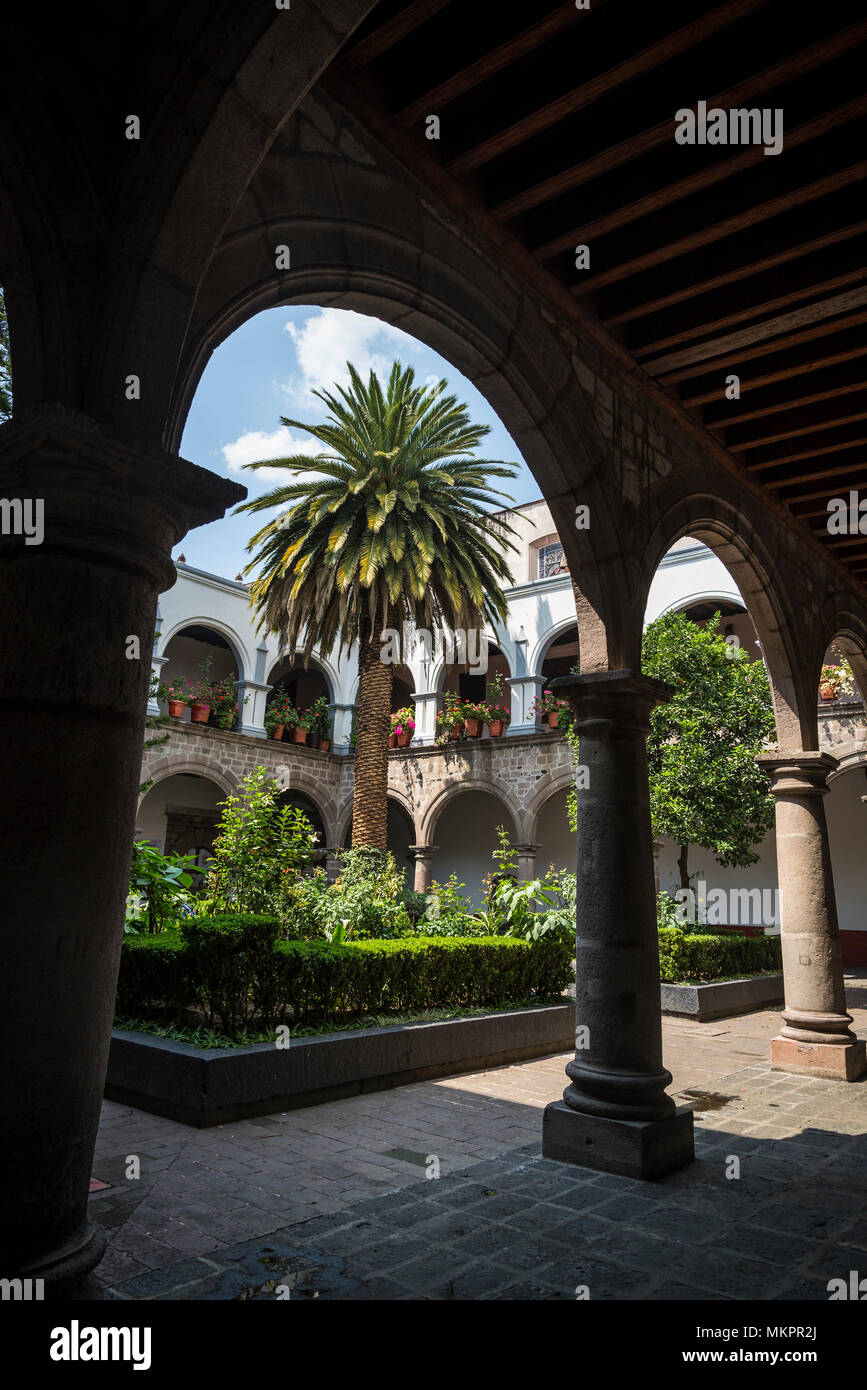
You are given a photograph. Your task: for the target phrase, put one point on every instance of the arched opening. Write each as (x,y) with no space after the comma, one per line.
(468,680)
(201,656)
(402,689)
(179,815)
(465,833)
(557,843)
(291,680)
(846,814)
(838,682)
(735,623)
(401,834)
(561,654)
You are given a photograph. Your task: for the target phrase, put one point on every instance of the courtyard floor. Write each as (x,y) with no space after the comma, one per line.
(335,1201)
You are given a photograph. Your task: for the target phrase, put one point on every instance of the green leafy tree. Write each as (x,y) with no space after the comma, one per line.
(259,849)
(705,787)
(393,530)
(5,365)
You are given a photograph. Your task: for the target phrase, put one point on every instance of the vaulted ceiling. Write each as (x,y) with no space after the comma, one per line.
(557,129)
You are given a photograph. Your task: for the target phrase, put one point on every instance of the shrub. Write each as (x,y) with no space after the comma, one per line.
(237,970)
(230,966)
(690,956)
(260,848)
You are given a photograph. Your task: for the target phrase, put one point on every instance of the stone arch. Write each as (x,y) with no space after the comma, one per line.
(431,812)
(558,780)
(547,639)
(718,524)
(174,766)
(294,778)
(243,661)
(848,632)
(396,795)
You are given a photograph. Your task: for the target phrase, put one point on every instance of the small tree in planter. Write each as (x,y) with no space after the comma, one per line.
(323,721)
(499,713)
(402,727)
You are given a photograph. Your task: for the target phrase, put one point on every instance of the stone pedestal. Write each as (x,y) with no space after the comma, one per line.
(526,862)
(524,691)
(615,1113)
(816,1038)
(423,856)
(73,708)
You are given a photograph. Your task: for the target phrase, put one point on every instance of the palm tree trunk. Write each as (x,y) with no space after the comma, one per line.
(683,866)
(370,792)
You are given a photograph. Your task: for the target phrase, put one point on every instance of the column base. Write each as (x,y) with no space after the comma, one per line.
(630,1148)
(830,1060)
(65,1268)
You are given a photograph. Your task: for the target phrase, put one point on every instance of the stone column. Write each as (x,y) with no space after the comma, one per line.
(615,1114)
(251,697)
(524,691)
(332,864)
(425,717)
(423,856)
(341,733)
(73,708)
(526,862)
(816,1038)
(657,849)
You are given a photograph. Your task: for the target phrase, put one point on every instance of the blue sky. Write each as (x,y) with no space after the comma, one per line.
(268,368)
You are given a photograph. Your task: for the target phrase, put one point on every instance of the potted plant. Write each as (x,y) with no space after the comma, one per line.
(835,681)
(475,716)
(324,718)
(550,707)
(300,723)
(178,696)
(499,713)
(224,705)
(275,719)
(200,702)
(402,727)
(450,721)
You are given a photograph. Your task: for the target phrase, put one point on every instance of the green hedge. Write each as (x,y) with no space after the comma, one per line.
(236,969)
(695,956)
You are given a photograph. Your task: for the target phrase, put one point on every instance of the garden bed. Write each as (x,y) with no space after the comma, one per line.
(205,1087)
(722,998)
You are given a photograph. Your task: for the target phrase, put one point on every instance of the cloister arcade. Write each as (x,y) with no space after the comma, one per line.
(112,271)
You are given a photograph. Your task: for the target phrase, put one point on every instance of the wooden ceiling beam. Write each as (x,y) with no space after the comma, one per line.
(695,183)
(743,443)
(817,398)
(499,58)
(381,39)
(823,451)
(810,364)
(602,85)
(645,141)
(715,231)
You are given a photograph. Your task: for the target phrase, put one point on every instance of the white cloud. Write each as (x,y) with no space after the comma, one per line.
(258,444)
(329,338)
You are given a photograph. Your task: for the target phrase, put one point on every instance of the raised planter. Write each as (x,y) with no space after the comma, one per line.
(210,1087)
(723,998)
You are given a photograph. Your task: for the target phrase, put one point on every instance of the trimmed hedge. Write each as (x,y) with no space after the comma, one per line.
(235,968)
(697,956)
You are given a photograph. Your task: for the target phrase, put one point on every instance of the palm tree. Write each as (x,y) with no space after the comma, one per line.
(390,530)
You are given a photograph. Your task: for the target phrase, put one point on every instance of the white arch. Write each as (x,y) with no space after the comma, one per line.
(718,595)
(438,668)
(320,662)
(243,658)
(546,639)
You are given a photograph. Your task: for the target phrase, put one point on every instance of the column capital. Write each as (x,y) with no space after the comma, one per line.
(624,697)
(422,851)
(798,773)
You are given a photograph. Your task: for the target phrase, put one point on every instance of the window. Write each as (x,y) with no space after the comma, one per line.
(551,561)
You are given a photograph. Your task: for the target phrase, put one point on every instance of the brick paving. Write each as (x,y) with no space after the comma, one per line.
(335,1201)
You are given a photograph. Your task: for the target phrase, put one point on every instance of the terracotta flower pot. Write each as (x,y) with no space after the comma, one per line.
(553,716)
(298,736)
(827,692)
(473,728)
(456,732)
(176,709)
(392,740)
(403,740)
(200,714)
(495,728)
(277,731)
(324,745)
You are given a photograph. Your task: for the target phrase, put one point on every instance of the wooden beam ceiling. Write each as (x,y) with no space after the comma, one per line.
(705,262)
